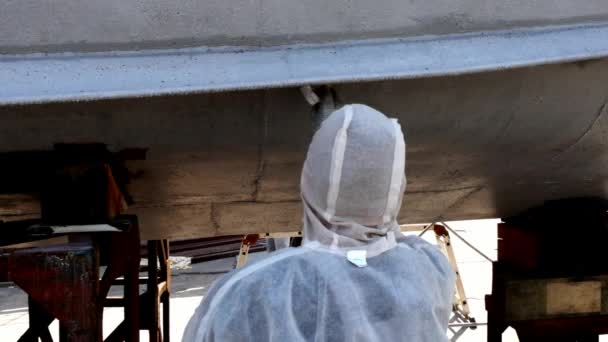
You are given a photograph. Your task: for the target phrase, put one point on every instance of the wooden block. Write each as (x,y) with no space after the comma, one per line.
(574,297)
(555,298)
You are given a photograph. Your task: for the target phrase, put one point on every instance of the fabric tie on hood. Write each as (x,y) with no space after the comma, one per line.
(353,181)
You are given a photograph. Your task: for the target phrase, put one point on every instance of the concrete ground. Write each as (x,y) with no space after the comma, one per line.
(190,286)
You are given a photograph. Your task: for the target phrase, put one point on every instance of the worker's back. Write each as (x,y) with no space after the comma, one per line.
(311,294)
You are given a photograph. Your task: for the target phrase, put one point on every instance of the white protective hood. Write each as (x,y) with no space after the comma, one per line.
(353,182)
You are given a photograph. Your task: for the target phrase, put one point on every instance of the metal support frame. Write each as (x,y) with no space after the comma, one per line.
(82,200)
(251,239)
(74,268)
(461,319)
(46,274)
(157,291)
(159,284)
(461,306)
(459,324)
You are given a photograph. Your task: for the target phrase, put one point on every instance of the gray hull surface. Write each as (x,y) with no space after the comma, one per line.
(495,121)
(90,25)
(480,145)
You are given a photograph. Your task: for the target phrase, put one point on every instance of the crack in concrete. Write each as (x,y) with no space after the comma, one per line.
(259,174)
(533,171)
(601,111)
(213,218)
(506,126)
(261,151)
(458,202)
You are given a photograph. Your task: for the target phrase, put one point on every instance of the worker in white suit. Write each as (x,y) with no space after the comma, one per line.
(355,277)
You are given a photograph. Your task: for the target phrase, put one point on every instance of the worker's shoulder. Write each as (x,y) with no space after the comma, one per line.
(280,258)
(413,241)
(263,284)
(420,245)
(426,250)
(274,262)
(262,274)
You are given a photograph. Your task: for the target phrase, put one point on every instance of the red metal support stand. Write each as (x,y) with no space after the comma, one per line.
(61,282)
(82,195)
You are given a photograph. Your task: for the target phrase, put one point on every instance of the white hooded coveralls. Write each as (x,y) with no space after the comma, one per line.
(352,185)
